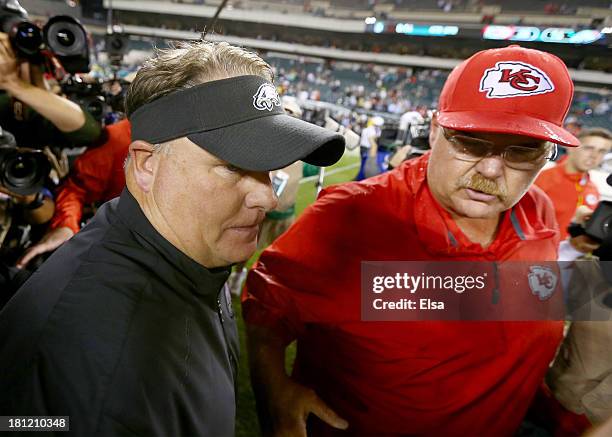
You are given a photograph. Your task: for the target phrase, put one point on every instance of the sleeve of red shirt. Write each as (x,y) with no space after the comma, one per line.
(303,276)
(96,176)
(86,183)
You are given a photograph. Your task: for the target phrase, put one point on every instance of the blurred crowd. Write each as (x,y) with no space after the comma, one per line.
(395,90)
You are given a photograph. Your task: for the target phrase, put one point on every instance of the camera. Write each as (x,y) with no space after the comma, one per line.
(88,95)
(351,139)
(62,35)
(315,115)
(22,170)
(418,135)
(599,226)
(388,136)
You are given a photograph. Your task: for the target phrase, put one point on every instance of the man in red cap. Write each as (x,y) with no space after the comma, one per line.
(471,198)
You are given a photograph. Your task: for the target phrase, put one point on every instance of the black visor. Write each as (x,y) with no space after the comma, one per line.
(240,120)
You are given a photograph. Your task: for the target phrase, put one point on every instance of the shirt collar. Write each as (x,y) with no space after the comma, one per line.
(579,177)
(206,282)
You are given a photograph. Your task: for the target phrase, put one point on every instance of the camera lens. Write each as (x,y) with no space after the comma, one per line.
(21,170)
(96,109)
(65,37)
(21,167)
(117,44)
(26,38)
(24,172)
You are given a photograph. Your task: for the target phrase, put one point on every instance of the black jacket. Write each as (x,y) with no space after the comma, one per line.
(123,333)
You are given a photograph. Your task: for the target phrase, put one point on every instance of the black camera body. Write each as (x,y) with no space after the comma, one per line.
(22,170)
(388,136)
(599,226)
(88,95)
(418,135)
(62,35)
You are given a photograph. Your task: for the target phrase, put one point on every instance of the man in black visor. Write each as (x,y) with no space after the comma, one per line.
(128,328)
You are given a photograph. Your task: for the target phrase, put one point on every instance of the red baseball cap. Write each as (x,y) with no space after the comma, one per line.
(512,90)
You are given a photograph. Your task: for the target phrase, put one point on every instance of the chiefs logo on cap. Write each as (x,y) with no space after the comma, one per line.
(514,79)
(266,98)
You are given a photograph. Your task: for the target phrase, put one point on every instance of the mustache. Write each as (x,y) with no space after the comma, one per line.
(478,182)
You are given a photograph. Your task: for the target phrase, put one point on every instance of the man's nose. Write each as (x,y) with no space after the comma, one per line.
(491,166)
(260,193)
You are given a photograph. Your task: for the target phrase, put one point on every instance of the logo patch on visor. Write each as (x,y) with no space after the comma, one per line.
(266,98)
(515,79)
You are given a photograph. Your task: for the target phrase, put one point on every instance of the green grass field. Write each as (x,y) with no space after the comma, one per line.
(246,420)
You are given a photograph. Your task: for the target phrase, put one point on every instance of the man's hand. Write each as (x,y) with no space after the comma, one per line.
(51,241)
(8,62)
(18,198)
(583,243)
(400,156)
(283,405)
(290,406)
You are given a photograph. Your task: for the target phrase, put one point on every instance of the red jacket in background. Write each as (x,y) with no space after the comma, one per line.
(567,191)
(97,176)
(429,378)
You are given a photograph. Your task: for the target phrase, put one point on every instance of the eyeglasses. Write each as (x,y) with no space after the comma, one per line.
(523,157)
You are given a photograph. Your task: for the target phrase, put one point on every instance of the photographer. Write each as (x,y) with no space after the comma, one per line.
(34,114)
(568,184)
(25,205)
(581,376)
(96,176)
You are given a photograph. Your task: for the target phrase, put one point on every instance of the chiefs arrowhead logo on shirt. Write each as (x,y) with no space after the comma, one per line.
(266,98)
(514,79)
(542,281)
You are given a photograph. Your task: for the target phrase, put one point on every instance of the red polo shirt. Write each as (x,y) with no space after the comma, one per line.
(567,191)
(396,378)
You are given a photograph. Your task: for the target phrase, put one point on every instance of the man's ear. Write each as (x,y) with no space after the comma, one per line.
(434,129)
(144,163)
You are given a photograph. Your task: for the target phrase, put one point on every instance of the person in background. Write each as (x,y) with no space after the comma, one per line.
(410,118)
(32,113)
(579,383)
(568,183)
(97,176)
(369,146)
(573,125)
(23,214)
